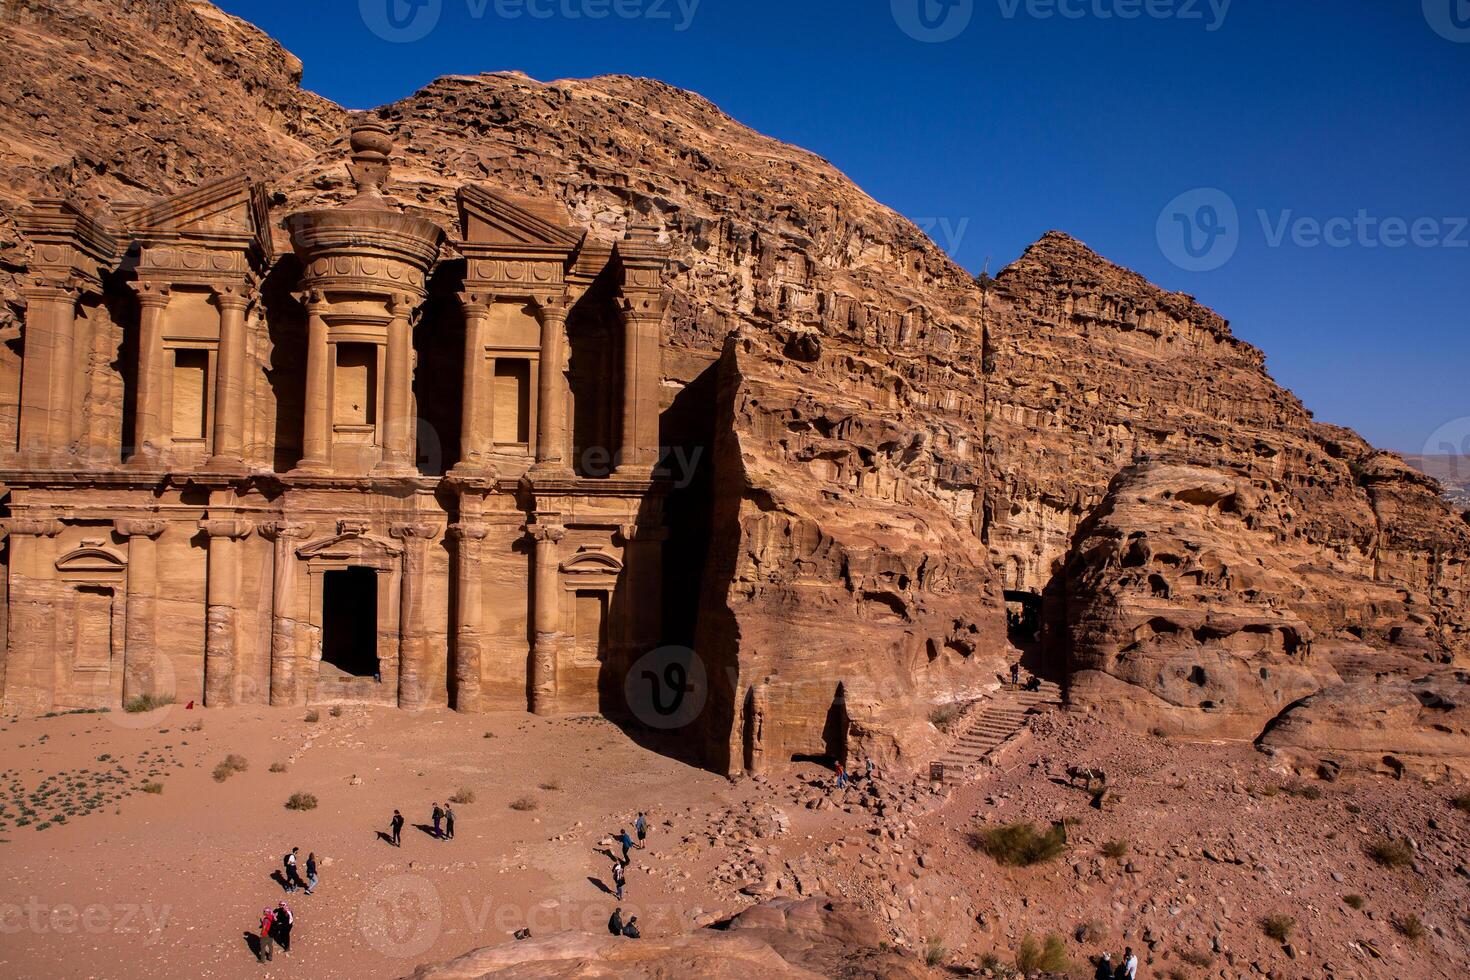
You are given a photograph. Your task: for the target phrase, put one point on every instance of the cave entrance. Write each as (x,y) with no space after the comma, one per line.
(350,623)
(834,732)
(1023,617)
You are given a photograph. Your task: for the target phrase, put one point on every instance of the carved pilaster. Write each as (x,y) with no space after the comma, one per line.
(551,391)
(286,616)
(412,639)
(477,403)
(47,400)
(148,431)
(469,590)
(229,388)
(399,422)
(316,414)
(546,614)
(140,673)
(221,638)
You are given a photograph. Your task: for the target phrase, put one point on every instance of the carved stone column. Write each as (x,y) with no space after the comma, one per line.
(46,396)
(229,385)
(222,614)
(641,369)
(643,559)
(399,424)
(148,431)
(316,446)
(412,635)
(141,637)
(30,662)
(551,394)
(545,615)
(469,540)
(285,614)
(477,404)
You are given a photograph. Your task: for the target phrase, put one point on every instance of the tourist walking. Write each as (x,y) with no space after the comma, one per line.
(1130,964)
(438,819)
(641,826)
(619,878)
(1104,968)
(868,771)
(310,871)
(1016,674)
(631,929)
(284,921)
(293,878)
(841,775)
(397,824)
(627,843)
(448,822)
(267,942)
(615,924)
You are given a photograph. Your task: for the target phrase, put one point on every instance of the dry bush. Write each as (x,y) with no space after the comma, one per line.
(1090,933)
(336,711)
(551,785)
(1409,927)
(1278,927)
(1461,802)
(943,716)
(278,767)
(154,788)
(147,702)
(934,952)
(523,804)
(301,801)
(313,716)
(231,765)
(1392,853)
(1115,848)
(463,796)
(1354,902)
(1195,957)
(1020,844)
(1052,956)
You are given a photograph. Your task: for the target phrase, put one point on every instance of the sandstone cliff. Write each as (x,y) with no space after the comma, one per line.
(877,434)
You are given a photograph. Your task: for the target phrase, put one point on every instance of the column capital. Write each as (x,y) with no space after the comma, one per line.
(285,530)
(231,296)
(551,533)
(551,308)
(637,307)
(152,293)
(51,289)
(37,527)
(404,304)
(463,531)
(138,527)
(407,532)
(475,302)
(313,299)
(642,532)
(235,530)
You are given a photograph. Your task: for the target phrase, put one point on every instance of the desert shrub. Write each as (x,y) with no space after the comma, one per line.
(463,796)
(1392,853)
(147,702)
(1306,792)
(992,963)
(301,801)
(1158,732)
(551,785)
(313,716)
(943,716)
(1050,955)
(154,788)
(1409,927)
(489,734)
(277,767)
(934,952)
(1353,808)
(1089,933)
(1195,957)
(1353,901)
(1115,848)
(1020,844)
(523,804)
(231,765)
(1278,927)
(1461,803)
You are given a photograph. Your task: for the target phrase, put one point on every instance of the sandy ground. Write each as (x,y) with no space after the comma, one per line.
(137,884)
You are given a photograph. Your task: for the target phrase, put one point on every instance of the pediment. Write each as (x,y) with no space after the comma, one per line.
(592,561)
(91,559)
(231,207)
(490,218)
(350,547)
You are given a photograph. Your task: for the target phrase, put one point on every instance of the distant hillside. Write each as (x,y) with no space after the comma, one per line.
(1453,472)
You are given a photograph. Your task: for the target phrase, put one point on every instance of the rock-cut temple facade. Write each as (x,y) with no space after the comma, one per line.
(383,465)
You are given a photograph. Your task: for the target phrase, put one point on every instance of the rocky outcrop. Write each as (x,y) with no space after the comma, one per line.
(1190,604)
(785,939)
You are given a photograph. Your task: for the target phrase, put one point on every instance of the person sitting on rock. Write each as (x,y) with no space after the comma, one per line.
(615,924)
(631,929)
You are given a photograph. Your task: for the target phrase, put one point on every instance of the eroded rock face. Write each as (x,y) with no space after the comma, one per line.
(1192,604)
(785,939)
(1418,724)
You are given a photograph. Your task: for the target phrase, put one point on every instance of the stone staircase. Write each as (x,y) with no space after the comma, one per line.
(994,723)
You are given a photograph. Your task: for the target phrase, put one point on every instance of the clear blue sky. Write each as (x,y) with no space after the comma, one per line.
(1070,114)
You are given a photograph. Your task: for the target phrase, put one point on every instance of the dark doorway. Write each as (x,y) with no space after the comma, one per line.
(350,622)
(834,733)
(1023,617)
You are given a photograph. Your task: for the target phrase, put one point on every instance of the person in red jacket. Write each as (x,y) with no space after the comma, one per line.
(267,941)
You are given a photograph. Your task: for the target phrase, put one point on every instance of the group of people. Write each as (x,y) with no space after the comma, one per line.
(442,817)
(293,872)
(275,930)
(620,865)
(843,778)
(1125,969)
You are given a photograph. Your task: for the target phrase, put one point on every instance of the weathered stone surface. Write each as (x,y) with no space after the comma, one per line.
(784,938)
